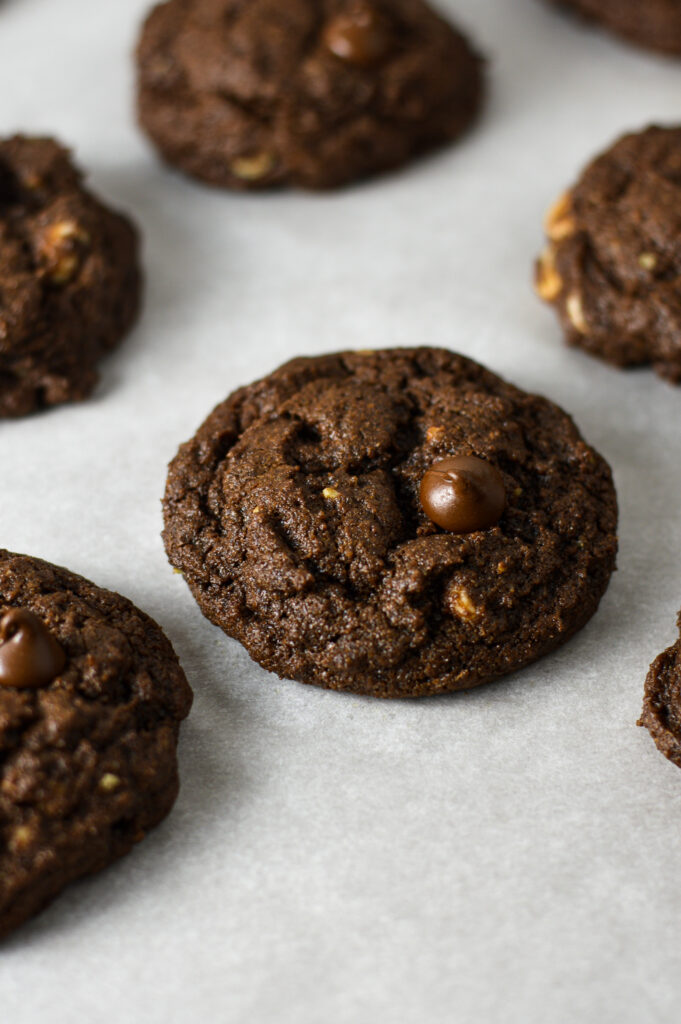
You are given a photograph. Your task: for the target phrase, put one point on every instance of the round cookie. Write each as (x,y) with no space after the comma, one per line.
(69,278)
(313,93)
(295,516)
(652,23)
(91,698)
(661,713)
(612,266)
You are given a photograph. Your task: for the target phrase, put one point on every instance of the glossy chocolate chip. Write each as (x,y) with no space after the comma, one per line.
(360,36)
(463,493)
(30,657)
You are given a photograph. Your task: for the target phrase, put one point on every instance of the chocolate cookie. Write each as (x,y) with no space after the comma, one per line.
(652,23)
(612,267)
(304,516)
(661,713)
(91,698)
(69,278)
(314,93)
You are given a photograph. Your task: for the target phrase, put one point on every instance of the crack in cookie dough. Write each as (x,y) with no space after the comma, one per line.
(294,516)
(313,93)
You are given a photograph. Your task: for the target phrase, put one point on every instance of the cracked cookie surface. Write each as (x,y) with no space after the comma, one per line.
(612,266)
(661,713)
(294,515)
(87,759)
(653,23)
(69,278)
(313,93)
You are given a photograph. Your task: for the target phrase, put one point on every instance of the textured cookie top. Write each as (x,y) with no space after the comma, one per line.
(87,758)
(661,713)
(311,92)
(612,267)
(653,23)
(69,278)
(295,516)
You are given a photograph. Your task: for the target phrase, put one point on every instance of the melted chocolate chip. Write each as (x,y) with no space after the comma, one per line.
(359,36)
(463,494)
(30,657)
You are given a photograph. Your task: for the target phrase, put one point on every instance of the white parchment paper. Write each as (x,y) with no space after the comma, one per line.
(507,855)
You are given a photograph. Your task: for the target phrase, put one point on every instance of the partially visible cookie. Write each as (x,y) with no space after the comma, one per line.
(612,265)
(69,278)
(661,713)
(91,699)
(313,93)
(395,523)
(652,23)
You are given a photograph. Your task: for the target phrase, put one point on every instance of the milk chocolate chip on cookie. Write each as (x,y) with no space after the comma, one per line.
(463,494)
(69,278)
(30,657)
(612,265)
(313,93)
(395,523)
(91,700)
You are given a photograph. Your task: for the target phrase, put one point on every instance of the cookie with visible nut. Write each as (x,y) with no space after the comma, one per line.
(91,700)
(612,264)
(395,523)
(652,23)
(312,93)
(661,713)
(69,278)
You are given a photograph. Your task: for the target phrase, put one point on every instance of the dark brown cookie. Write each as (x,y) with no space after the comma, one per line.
(295,516)
(661,713)
(91,698)
(314,93)
(69,278)
(652,23)
(612,267)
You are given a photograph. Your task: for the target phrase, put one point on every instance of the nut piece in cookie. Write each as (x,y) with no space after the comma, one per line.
(69,278)
(652,23)
(661,713)
(91,700)
(612,265)
(394,523)
(310,93)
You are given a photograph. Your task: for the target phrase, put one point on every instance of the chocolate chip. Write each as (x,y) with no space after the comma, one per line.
(463,493)
(30,657)
(359,36)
